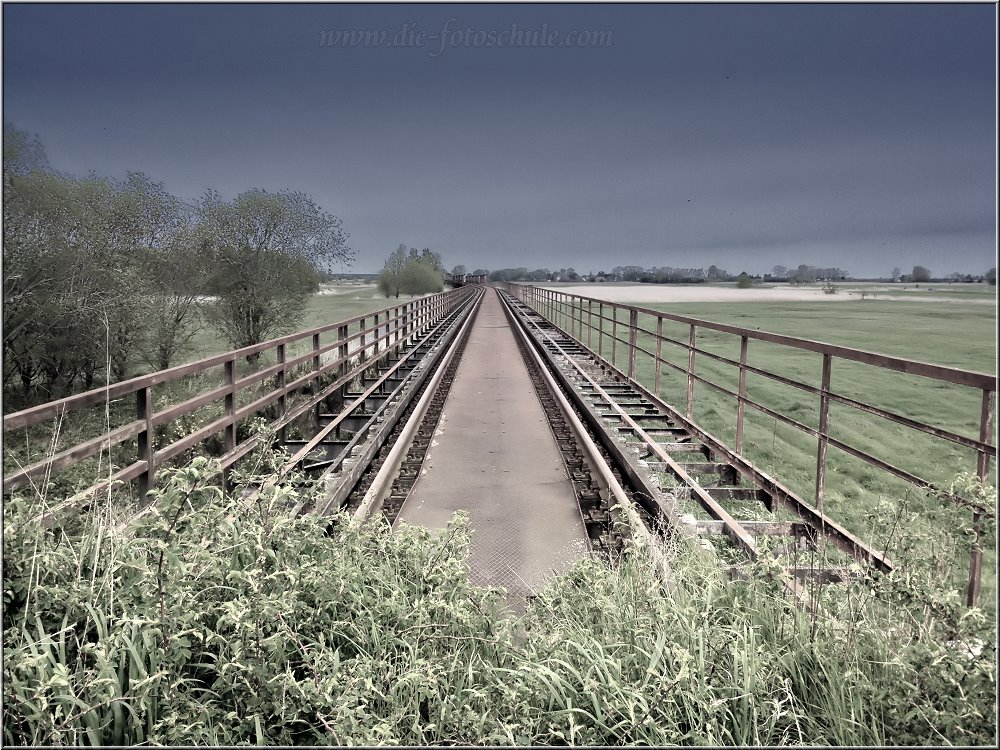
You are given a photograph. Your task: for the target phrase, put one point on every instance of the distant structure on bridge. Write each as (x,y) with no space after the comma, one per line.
(462,279)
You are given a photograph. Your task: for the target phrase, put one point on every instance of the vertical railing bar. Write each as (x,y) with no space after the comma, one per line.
(280,380)
(633,331)
(144,411)
(659,355)
(823,437)
(741,398)
(590,324)
(600,335)
(982,472)
(690,372)
(230,401)
(614,333)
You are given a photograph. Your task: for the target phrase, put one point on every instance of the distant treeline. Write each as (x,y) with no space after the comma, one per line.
(803,274)
(653,275)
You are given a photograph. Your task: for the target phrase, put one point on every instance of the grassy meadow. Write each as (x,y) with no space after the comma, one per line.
(220,619)
(348,301)
(947,333)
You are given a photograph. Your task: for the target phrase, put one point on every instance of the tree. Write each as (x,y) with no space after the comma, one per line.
(74,287)
(458,270)
(178,276)
(22,153)
(921,274)
(803,275)
(392,270)
(715,273)
(268,249)
(412,272)
(432,259)
(896,274)
(779,272)
(743,281)
(991,277)
(420,277)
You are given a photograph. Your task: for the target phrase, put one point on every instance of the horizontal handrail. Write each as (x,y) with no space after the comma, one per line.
(377,333)
(114,391)
(955,375)
(575,312)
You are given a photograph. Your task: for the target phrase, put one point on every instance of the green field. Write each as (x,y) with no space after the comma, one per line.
(322,309)
(951,334)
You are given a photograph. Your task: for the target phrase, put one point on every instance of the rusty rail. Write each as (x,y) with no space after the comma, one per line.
(575,313)
(359,342)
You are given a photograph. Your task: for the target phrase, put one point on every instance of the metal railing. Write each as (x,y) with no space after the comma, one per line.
(634,328)
(300,361)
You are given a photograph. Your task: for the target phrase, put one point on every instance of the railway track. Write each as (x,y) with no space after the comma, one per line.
(687,482)
(353,442)
(637,466)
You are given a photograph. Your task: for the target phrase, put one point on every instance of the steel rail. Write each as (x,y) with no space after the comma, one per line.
(416,313)
(843,538)
(735,530)
(382,483)
(598,466)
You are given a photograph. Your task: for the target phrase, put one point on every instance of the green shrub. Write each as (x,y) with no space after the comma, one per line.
(223,619)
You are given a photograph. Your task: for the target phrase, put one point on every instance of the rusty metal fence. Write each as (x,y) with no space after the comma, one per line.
(630,333)
(282,376)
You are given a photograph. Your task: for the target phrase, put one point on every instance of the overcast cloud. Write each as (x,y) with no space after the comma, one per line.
(839,135)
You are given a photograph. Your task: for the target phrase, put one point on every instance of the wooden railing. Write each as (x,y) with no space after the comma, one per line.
(294,365)
(639,333)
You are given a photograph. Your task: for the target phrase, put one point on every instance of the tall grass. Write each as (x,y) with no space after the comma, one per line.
(217,619)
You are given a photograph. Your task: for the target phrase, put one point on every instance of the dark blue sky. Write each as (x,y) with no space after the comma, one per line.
(860,136)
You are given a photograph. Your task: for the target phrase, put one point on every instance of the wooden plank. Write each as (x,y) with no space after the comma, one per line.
(74,454)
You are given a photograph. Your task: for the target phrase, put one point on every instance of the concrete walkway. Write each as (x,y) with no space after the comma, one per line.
(494,456)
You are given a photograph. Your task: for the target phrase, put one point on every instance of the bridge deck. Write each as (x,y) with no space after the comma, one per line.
(494,456)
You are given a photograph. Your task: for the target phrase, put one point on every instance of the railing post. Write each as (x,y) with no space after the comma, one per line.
(741,399)
(600,335)
(144,411)
(982,471)
(375,333)
(280,380)
(230,445)
(364,341)
(341,351)
(659,355)
(824,423)
(590,324)
(633,332)
(690,371)
(614,332)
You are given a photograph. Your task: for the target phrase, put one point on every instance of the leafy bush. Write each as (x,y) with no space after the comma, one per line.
(213,619)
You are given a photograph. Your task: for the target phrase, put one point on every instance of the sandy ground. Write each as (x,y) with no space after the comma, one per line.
(667,293)
(346,289)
